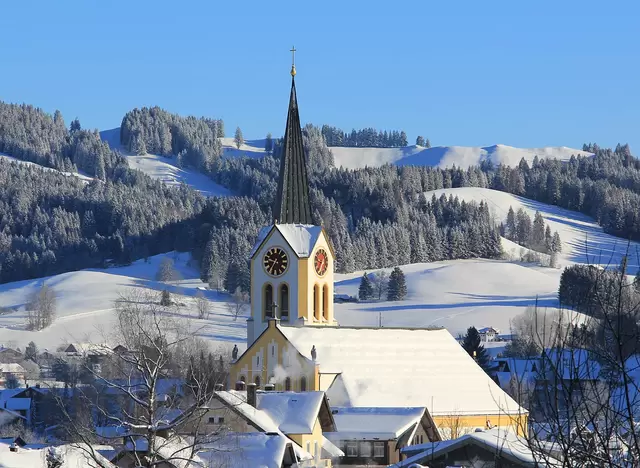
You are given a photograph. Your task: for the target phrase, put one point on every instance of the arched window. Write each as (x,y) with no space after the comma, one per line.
(268,301)
(287,384)
(303,384)
(325,302)
(316,302)
(284,302)
(257,381)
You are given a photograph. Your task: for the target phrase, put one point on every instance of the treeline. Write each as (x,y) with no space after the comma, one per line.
(605,186)
(29,134)
(533,235)
(51,223)
(364,137)
(194,141)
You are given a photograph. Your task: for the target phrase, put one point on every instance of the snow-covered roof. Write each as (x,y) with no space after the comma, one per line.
(35,457)
(300,237)
(373,423)
(331,449)
(504,443)
(11,368)
(571,364)
(386,367)
(247,450)
(489,330)
(288,412)
(17,404)
(176,450)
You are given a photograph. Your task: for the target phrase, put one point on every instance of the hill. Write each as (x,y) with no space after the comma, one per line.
(83,177)
(446,156)
(583,240)
(165,169)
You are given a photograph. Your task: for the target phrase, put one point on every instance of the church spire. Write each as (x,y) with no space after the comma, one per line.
(292,200)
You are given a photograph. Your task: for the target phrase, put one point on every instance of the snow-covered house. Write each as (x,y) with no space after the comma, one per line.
(11,369)
(250,450)
(174,452)
(304,418)
(376,435)
(517,377)
(9,355)
(494,447)
(488,334)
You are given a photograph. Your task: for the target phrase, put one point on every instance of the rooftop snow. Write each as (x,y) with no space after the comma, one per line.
(301,237)
(246,450)
(387,367)
(369,423)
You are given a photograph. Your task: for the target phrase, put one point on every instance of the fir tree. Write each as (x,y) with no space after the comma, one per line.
(472,345)
(427,143)
(365,291)
(420,141)
(397,286)
(31,352)
(511,225)
(268,144)
(238,139)
(556,243)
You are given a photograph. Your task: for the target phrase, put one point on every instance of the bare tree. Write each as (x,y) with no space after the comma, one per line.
(380,282)
(585,404)
(166,271)
(202,304)
(145,398)
(238,303)
(41,308)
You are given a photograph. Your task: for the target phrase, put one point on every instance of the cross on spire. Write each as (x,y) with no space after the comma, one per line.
(293,61)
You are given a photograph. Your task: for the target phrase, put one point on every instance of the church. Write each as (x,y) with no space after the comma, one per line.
(294,342)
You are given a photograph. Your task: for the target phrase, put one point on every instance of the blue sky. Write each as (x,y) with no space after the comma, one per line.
(461,73)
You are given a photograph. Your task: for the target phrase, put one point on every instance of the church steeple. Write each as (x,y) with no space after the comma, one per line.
(292,200)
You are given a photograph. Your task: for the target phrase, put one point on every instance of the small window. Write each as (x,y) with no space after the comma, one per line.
(212,420)
(378,450)
(303,384)
(284,302)
(366,449)
(220,420)
(287,384)
(308,447)
(352,448)
(273,351)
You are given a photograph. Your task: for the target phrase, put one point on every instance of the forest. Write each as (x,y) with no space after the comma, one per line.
(376,217)
(364,137)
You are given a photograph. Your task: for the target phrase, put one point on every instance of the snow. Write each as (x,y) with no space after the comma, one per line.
(164,169)
(455,294)
(446,156)
(301,237)
(27,457)
(583,241)
(11,369)
(85,305)
(387,367)
(250,148)
(292,412)
(503,442)
(373,423)
(247,450)
(82,177)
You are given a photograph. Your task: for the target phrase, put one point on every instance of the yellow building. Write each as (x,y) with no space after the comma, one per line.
(295,343)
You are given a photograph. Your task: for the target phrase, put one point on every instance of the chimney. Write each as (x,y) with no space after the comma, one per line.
(251,394)
(269,387)
(240,385)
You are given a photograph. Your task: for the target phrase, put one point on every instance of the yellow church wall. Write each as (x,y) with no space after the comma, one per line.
(271,348)
(309,442)
(457,425)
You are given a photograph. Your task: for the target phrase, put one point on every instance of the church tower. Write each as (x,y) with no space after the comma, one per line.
(292,261)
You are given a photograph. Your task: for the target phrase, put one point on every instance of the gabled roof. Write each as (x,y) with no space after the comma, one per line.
(374,423)
(387,367)
(504,443)
(12,368)
(301,238)
(249,450)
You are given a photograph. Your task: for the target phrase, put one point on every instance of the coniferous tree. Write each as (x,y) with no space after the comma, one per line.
(472,344)
(420,141)
(556,243)
(238,139)
(537,234)
(397,286)
(365,291)
(31,352)
(511,225)
(268,144)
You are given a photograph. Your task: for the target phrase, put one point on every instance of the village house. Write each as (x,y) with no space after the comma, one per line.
(9,355)
(488,334)
(11,370)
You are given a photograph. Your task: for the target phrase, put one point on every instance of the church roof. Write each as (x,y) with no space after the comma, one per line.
(292,200)
(301,238)
(387,367)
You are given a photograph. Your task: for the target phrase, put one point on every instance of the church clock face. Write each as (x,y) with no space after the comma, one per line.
(275,261)
(321,262)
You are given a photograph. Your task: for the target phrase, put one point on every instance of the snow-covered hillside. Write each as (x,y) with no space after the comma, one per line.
(164,169)
(455,294)
(446,156)
(80,176)
(583,241)
(85,301)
